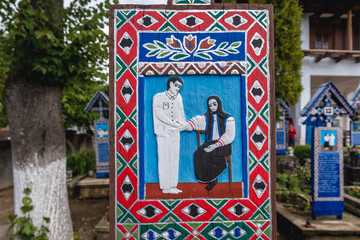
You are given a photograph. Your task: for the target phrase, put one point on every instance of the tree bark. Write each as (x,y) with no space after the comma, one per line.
(39,152)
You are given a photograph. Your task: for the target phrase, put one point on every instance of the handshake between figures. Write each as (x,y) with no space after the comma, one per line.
(176,127)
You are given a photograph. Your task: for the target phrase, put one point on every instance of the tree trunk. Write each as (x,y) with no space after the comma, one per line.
(39,152)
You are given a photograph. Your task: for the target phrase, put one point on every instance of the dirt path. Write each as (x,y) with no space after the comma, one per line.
(85,214)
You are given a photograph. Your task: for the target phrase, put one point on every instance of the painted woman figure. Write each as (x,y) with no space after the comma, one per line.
(219,127)
(326,140)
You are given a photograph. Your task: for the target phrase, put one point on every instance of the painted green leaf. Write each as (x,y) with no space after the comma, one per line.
(160,44)
(233,51)
(235,44)
(164,54)
(204,55)
(153,53)
(220,53)
(150,46)
(223,45)
(180,56)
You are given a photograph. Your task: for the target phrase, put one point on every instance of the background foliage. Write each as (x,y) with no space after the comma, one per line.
(81,162)
(288,53)
(72,54)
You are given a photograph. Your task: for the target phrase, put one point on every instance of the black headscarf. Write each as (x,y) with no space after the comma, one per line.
(209,117)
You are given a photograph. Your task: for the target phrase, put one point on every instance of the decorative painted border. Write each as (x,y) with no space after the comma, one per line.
(191,2)
(317,146)
(191,68)
(168,219)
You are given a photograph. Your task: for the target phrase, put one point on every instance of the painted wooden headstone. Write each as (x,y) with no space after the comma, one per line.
(99,103)
(192,110)
(282,138)
(327,154)
(327,172)
(355,123)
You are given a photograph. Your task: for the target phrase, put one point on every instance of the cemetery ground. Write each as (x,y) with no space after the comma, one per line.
(293,204)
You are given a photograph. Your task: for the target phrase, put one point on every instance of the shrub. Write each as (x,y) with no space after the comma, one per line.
(80,163)
(302,152)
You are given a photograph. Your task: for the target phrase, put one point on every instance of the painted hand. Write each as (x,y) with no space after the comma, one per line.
(176,124)
(211,147)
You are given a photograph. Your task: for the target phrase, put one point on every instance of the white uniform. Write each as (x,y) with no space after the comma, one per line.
(332,140)
(167,111)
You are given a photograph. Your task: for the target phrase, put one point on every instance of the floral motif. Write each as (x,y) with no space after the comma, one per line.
(190,43)
(179,50)
(173,42)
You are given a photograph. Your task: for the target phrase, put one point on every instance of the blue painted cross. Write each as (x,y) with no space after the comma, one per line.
(100,109)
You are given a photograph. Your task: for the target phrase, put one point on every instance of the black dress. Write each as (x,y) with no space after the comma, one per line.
(210,165)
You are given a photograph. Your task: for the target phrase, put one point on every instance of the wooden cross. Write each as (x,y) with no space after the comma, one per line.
(100,109)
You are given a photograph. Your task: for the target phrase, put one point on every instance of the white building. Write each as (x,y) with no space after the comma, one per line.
(330,35)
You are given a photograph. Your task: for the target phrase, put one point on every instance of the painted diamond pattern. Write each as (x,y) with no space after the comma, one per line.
(149,211)
(186,2)
(126,43)
(257,91)
(127,188)
(127,140)
(258,138)
(171,234)
(236,20)
(213,230)
(257,43)
(191,21)
(259,185)
(218,232)
(193,211)
(147,21)
(127,91)
(239,209)
(237,232)
(150,235)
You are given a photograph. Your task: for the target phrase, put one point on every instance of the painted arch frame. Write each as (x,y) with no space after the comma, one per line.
(235,218)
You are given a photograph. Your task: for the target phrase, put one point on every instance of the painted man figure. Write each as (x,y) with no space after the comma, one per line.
(168,113)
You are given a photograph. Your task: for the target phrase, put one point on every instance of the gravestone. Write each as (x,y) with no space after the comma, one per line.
(282,135)
(99,103)
(189,79)
(355,123)
(327,172)
(327,154)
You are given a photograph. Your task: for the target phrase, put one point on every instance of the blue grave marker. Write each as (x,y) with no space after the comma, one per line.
(101,132)
(282,138)
(327,172)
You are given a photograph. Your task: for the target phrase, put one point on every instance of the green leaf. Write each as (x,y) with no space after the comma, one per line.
(235,44)
(160,44)
(153,53)
(179,56)
(150,46)
(223,45)
(220,53)
(233,51)
(27,191)
(26,200)
(204,55)
(28,229)
(46,219)
(164,54)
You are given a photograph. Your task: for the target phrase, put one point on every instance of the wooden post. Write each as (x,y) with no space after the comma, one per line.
(349,29)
